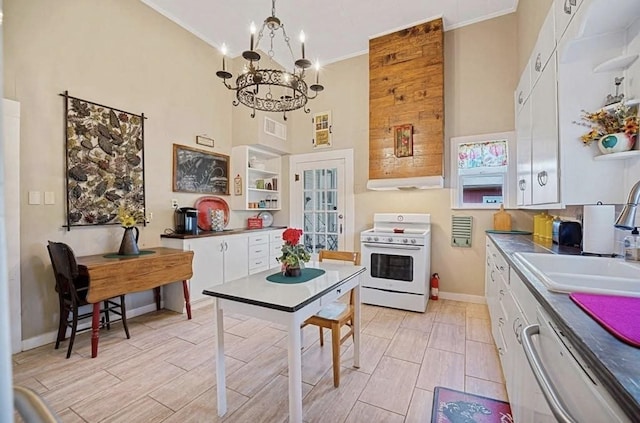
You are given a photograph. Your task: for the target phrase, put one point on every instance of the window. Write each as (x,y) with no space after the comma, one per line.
(481,170)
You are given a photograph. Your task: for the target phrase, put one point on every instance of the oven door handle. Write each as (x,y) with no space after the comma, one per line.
(392,247)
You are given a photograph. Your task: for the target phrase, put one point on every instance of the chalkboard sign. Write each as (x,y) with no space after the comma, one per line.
(199,171)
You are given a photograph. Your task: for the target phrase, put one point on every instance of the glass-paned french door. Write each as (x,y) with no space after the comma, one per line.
(321,215)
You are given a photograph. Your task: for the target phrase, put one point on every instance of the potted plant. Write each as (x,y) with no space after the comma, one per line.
(614,128)
(294,255)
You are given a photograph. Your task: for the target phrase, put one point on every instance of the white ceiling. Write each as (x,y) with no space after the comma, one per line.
(334,29)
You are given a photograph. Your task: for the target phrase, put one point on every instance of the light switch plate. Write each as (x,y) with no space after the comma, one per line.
(34,197)
(49,197)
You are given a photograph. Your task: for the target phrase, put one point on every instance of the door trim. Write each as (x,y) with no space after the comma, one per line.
(349,207)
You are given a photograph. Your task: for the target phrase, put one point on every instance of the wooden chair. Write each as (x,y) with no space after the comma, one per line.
(337,314)
(72,288)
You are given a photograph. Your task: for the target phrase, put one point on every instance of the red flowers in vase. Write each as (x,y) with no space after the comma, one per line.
(294,255)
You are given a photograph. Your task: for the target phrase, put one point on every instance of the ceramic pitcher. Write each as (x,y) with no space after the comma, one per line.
(129,244)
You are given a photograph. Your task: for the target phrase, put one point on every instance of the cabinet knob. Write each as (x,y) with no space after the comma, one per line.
(520,99)
(538,65)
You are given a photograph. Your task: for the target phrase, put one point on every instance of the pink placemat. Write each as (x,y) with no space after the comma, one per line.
(618,315)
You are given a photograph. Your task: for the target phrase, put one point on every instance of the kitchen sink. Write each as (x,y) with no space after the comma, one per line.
(599,275)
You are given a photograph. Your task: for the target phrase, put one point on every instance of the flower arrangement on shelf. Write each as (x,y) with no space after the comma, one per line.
(294,255)
(621,119)
(129,216)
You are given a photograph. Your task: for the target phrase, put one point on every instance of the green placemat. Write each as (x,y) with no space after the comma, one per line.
(116,255)
(305,276)
(514,232)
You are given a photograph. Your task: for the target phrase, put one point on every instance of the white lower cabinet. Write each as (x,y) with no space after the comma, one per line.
(216,259)
(504,298)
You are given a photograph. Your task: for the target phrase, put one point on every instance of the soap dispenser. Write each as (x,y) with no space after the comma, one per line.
(631,246)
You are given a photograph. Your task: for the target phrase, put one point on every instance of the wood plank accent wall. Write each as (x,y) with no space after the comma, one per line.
(406,86)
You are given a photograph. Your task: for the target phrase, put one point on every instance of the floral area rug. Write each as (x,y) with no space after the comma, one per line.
(451,406)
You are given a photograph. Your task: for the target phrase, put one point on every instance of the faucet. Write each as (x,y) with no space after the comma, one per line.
(627,219)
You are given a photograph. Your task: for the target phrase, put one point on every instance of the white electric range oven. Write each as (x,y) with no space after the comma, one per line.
(397,255)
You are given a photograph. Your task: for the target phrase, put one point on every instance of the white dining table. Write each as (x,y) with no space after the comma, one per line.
(289,305)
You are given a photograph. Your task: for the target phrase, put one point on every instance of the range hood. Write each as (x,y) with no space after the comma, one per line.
(395,184)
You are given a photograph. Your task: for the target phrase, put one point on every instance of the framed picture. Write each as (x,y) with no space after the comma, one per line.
(202,140)
(321,130)
(403,140)
(200,171)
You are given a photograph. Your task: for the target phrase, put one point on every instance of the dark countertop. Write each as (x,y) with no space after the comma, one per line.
(204,234)
(615,363)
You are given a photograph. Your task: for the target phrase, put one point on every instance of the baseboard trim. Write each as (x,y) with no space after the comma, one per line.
(454,296)
(50,337)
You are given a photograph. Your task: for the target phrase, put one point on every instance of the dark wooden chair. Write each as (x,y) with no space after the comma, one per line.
(337,314)
(72,289)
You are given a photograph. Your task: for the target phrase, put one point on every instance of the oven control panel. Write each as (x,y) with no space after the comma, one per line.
(392,240)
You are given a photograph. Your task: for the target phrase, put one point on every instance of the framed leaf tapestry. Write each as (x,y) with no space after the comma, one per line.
(104,162)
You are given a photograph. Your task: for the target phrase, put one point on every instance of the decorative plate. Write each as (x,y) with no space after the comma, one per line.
(205,205)
(267,218)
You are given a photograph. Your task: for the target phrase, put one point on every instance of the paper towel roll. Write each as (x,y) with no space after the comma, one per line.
(598,231)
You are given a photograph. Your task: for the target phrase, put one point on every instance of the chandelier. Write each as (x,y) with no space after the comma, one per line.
(272,90)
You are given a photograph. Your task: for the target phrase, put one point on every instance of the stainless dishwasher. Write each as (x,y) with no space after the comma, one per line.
(571,389)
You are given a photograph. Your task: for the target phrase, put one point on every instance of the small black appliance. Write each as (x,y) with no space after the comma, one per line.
(186,220)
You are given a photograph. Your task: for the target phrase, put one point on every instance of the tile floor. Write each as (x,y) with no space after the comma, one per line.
(166,371)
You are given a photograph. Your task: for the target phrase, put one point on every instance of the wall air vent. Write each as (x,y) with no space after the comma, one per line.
(461,231)
(275,128)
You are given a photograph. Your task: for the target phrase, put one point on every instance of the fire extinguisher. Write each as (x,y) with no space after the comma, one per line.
(435,283)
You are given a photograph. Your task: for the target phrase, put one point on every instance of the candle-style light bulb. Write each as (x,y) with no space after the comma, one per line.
(252,29)
(302,42)
(317,71)
(223,49)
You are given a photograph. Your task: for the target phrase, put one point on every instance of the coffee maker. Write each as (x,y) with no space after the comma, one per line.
(186,220)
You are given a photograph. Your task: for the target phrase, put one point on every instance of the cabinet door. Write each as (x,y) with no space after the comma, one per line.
(236,257)
(523,153)
(564,12)
(543,48)
(544,138)
(207,264)
(527,402)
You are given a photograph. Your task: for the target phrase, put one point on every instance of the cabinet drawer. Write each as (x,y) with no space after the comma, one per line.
(501,266)
(336,293)
(258,239)
(276,236)
(258,251)
(258,262)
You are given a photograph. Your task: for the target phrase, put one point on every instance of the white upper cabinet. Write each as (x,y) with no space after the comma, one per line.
(544,138)
(545,45)
(582,47)
(564,12)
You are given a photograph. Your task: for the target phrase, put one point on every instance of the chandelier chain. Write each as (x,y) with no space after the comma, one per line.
(291,91)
